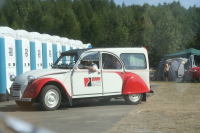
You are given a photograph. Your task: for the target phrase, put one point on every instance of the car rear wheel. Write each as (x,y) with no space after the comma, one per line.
(133,98)
(24,104)
(50,98)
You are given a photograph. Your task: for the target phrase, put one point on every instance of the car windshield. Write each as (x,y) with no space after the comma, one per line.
(68,59)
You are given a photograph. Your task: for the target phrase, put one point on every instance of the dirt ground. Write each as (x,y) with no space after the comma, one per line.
(174,108)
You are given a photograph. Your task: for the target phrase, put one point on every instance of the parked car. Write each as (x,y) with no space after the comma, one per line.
(67,82)
(193,74)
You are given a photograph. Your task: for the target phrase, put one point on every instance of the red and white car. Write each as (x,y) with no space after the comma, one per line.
(66,82)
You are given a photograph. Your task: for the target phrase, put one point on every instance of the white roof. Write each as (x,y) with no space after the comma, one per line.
(6,31)
(22,33)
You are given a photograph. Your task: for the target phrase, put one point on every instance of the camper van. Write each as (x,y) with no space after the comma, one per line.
(68,82)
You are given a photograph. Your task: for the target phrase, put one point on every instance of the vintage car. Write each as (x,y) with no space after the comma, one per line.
(67,82)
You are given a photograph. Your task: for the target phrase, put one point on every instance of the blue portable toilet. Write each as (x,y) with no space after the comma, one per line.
(72,44)
(87,45)
(7,61)
(47,48)
(36,50)
(76,43)
(79,44)
(57,47)
(66,43)
(66,47)
(22,44)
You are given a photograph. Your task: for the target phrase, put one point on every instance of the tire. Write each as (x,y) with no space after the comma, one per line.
(105,100)
(50,98)
(24,104)
(133,98)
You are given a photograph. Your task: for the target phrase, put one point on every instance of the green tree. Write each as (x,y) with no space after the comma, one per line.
(167,35)
(194,15)
(34,16)
(80,10)
(66,22)
(3,19)
(11,13)
(47,17)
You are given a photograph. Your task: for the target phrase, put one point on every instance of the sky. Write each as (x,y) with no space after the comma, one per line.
(185,3)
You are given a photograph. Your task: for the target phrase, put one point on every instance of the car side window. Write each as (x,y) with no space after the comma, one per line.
(134,61)
(110,62)
(93,57)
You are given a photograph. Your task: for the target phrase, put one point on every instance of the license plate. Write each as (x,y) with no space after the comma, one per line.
(15,93)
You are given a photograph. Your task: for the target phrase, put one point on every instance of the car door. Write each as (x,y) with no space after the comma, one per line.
(112,77)
(84,82)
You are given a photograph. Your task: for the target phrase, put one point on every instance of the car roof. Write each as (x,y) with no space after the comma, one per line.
(75,51)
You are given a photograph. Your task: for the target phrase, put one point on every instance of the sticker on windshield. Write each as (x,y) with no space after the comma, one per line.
(92,81)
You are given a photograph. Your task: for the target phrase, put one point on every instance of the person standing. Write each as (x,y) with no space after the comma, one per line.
(166,70)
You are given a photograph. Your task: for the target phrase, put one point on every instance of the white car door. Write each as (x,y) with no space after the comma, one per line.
(85,82)
(112,75)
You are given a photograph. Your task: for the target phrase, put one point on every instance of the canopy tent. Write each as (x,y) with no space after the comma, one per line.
(193,57)
(184,54)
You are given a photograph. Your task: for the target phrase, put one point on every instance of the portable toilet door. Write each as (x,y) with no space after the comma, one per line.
(57,47)
(47,51)
(22,43)
(36,50)
(7,61)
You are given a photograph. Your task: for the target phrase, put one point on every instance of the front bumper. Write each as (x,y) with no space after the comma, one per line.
(16,93)
(18,98)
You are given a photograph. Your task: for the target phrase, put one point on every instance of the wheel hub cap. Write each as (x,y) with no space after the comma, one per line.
(134,97)
(51,98)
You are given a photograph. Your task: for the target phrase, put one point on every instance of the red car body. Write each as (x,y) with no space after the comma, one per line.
(193,74)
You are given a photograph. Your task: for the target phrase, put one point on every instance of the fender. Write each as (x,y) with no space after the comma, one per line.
(133,84)
(33,89)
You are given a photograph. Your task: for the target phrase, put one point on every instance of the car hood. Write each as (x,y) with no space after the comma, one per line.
(38,73)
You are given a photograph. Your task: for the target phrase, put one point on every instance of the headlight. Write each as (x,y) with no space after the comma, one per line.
(12,77)
(30,79)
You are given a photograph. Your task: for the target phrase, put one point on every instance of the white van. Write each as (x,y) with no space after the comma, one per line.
(69,79)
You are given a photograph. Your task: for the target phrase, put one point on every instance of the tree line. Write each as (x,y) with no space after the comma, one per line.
(162,29)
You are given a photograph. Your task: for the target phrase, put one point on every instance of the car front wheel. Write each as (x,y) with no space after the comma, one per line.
(50,98)
(133,98)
